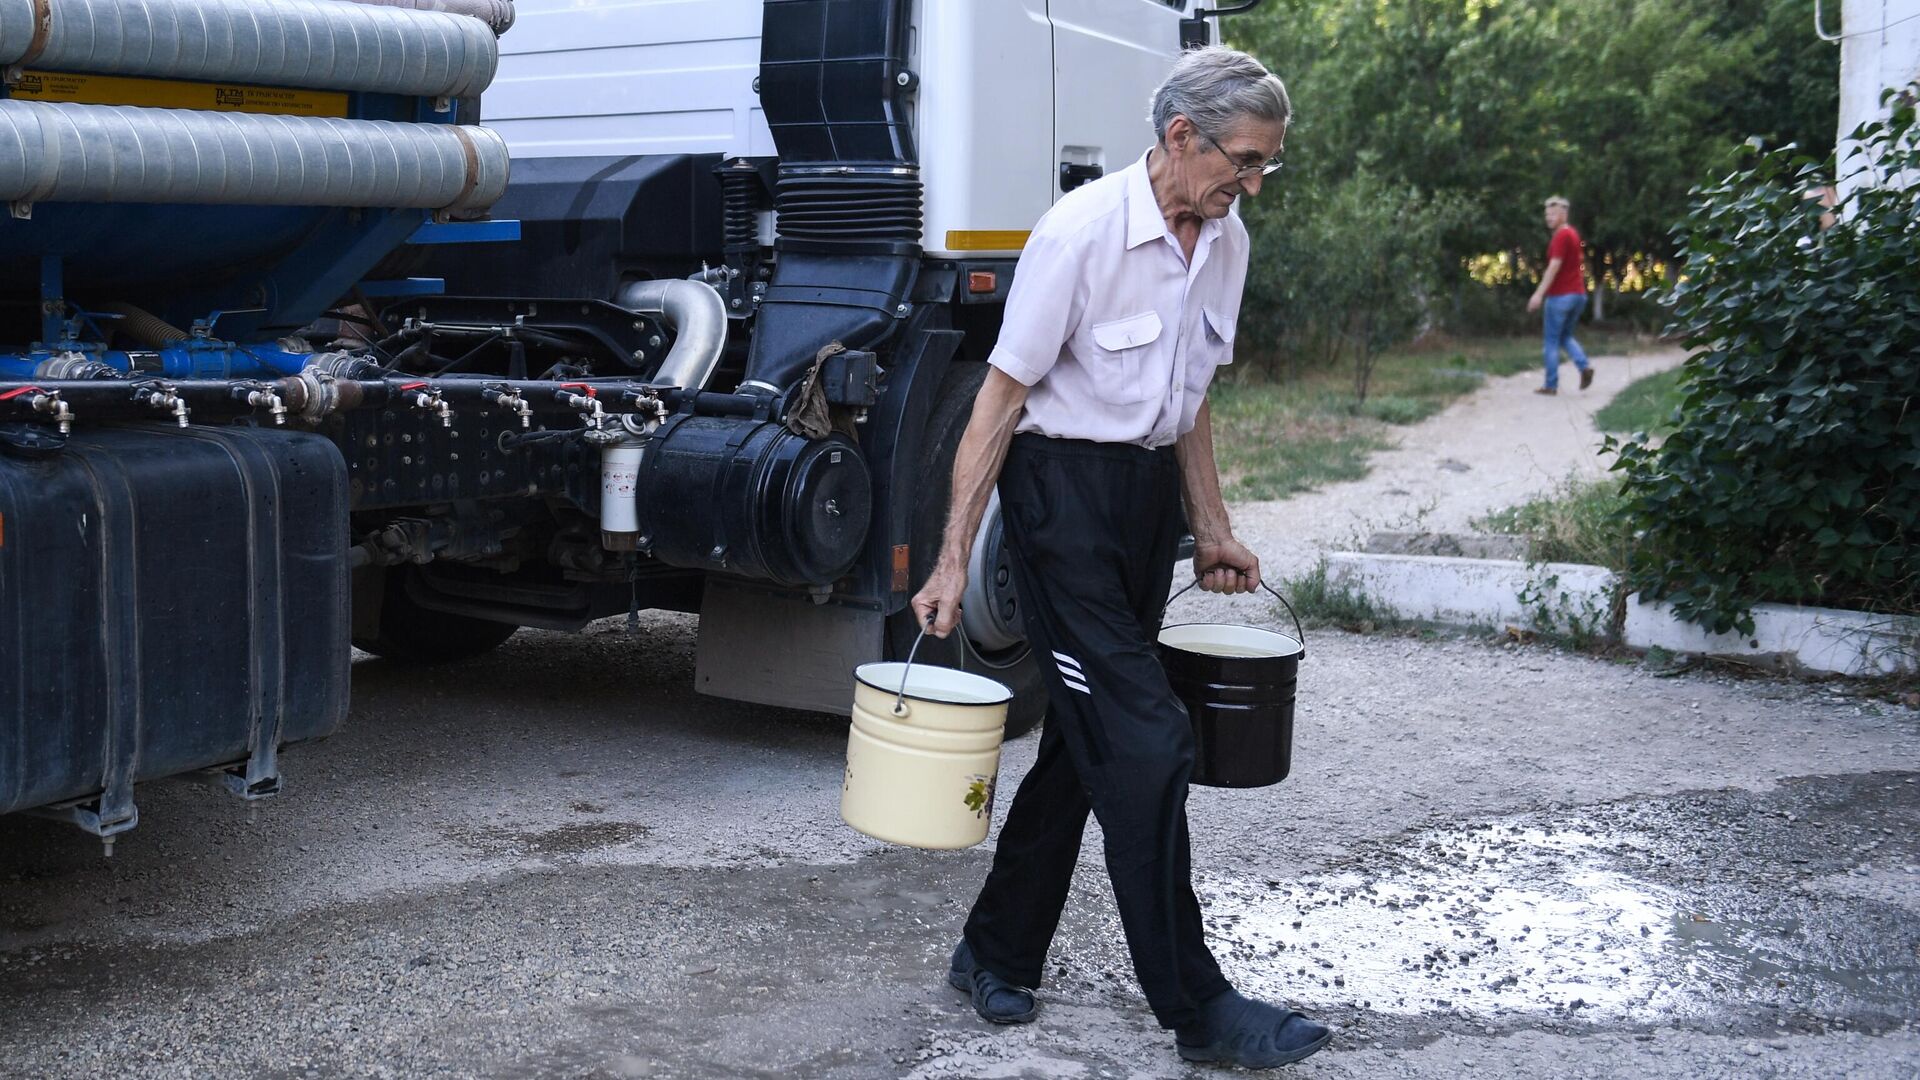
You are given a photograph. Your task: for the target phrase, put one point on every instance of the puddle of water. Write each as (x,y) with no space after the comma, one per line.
(1509,919)
(1512,919)
(1492,921)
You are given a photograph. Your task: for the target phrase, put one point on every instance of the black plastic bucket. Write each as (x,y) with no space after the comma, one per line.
(1238,685)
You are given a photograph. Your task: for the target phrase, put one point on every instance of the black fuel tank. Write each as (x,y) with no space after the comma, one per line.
(170,600)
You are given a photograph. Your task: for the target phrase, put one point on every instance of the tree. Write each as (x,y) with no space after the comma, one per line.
(1620,105)
(1350,269)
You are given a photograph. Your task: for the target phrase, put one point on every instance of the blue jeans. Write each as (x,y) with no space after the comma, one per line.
(1561,313)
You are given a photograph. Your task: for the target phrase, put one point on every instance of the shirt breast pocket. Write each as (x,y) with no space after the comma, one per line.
(1118,357)
(1215,349)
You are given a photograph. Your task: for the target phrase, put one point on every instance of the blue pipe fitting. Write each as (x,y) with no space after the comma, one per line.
(194,359)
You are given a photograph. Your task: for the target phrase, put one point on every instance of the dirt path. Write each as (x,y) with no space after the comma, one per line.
(1493,448)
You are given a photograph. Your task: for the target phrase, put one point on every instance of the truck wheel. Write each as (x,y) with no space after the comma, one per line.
(989,641)
(411,634)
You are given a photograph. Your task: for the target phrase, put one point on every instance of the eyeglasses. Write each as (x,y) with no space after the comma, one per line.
(1265,168)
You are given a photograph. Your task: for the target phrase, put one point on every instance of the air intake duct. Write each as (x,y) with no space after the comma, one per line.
(848,199)
(842,205)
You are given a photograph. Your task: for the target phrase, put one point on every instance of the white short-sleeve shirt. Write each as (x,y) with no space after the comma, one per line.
(1116,333)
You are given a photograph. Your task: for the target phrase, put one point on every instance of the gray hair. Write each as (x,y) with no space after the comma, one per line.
(1559,201)
(1215,86)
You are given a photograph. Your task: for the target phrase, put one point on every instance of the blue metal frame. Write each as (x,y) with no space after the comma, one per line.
(466,232)
(413,286)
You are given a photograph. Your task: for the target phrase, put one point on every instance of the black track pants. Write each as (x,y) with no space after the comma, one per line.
(1093,531)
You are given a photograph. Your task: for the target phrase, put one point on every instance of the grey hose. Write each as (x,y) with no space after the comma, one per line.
(60,151)
(497,14)
(304,43)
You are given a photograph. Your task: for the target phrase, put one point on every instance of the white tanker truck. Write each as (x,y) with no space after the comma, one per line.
(291,358)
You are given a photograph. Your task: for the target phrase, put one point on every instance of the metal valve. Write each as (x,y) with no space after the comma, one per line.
(428,399)
(165,398)
(588,406)
(511,401)
(53,405)
(651,406)
(270,401)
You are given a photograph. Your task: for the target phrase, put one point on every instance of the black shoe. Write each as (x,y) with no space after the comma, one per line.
(1236,1030)
(994,998)
(1586,377)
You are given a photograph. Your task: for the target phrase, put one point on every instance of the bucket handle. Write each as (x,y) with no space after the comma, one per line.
(900,699)
(1297,629)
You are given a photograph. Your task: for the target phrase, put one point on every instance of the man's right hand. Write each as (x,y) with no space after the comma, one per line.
(939,599)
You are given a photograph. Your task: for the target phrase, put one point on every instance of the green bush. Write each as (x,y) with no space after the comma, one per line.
(1795,472)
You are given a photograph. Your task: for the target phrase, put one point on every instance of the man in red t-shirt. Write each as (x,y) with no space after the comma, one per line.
(1563,293)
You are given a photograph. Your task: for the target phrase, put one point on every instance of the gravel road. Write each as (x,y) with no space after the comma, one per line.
(560,861)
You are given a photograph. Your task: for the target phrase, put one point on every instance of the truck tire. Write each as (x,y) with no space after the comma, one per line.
(411,634)
(1009,661)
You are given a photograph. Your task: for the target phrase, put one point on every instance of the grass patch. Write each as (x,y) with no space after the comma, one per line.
(1319,601)
(1646,404)
(1578,522)
(1270,446)
(1398,409)
(1277,433)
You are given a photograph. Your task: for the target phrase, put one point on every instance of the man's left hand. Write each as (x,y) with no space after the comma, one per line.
(1226,566)
(1533,304)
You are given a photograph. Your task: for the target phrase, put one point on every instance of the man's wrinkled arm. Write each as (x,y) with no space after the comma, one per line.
(976,468)
(1220,562)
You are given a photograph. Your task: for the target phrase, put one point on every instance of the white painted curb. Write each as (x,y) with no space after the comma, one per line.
(1813,639)
(1460,591)
(1486,592)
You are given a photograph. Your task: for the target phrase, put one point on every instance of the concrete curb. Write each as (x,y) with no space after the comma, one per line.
(1461,591)
(1579,599)
(1810,639)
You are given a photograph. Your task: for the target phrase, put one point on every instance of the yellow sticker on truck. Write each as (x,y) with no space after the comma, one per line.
(987,239)
(171,94)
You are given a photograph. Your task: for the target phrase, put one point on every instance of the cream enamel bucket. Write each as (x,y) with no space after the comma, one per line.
(923,754)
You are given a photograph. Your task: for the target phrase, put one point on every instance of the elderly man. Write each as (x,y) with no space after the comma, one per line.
(1094,423)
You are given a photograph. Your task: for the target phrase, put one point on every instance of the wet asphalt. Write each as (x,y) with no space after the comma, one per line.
(559,861)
